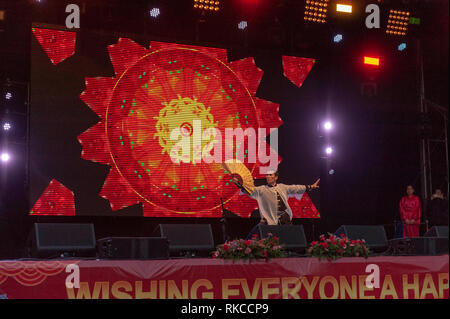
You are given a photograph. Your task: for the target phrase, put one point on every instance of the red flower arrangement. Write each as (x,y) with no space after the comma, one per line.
(264,248)
(335,247)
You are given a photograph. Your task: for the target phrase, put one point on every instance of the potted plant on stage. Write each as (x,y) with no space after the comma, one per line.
(265,248)
(335,247)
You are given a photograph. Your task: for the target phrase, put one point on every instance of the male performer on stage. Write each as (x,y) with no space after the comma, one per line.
(273,199)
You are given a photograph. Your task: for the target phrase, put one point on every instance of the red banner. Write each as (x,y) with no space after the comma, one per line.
(415,277)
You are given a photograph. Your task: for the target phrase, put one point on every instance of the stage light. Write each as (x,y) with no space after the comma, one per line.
(328,150)
(413,20)
(397,22)
(344,8)
(316,11)
(5,157)
(8,95)
(402,46)
(371,61)
(154,12)
(7,126)
(242,25)
(331,171)
(208,5)
(338,38)
(327,126)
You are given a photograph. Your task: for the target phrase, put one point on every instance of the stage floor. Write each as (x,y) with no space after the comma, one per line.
(415,277)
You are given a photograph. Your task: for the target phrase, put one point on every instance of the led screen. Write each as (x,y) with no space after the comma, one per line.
(144,132)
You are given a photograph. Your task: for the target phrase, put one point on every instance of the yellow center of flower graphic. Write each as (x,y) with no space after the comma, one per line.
(177,119)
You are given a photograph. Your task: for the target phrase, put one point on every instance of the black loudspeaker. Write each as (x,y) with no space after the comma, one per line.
(437,231)
(62,240)
(418,246)
(375,236)
(133,248)
(291,237)
(187,238)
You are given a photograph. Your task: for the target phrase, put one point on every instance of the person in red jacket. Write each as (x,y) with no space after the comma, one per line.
(410,210)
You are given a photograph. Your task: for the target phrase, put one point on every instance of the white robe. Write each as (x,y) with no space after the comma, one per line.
(266,197)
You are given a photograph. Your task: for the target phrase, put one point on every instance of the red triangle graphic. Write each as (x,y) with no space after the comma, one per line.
(296,69)
(55,200)
(59,45)
(303,208)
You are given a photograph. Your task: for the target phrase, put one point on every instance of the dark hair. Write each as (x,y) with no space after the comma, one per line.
(414,190)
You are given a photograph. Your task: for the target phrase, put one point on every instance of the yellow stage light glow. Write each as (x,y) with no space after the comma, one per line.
(208,5)
(371,61)
(397,22)
(316,11)
(343,8)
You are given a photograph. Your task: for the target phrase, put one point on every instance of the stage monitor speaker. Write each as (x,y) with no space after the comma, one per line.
(133,248)
(418,246)
(50,240)
(437,231)
(375,236)
(187,238)
(291,237)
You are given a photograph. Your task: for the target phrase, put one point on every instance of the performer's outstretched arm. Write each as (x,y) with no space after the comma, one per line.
(300,189)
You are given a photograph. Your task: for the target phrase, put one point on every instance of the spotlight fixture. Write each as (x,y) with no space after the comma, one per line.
(316,11)
(413,20)
(327,125)
(242,25)
(401,46)
(343,8)
(8,95)
(338,38)
(371,61)
(207,5)
(6,126)
(5,157)
(154,13)
(398,22)
(328,150)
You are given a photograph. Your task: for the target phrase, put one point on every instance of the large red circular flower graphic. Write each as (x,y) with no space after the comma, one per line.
(168,88)
(171,88)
